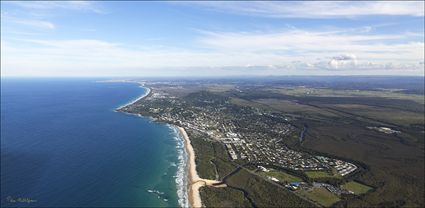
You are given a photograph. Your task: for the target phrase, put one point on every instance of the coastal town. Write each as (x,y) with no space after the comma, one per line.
(241,134)
(249,134)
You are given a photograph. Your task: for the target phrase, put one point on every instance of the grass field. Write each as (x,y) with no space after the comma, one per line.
(282,176)
(220,88)
(357,188)
(285,106)
(293,107)
(398,117)
(320,174)
(320,195)
(326,92)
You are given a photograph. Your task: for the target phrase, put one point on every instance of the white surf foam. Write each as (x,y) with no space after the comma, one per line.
(181,174)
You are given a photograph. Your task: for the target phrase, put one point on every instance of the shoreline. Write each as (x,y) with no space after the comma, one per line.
(193,189)
(194,182)
(148,91)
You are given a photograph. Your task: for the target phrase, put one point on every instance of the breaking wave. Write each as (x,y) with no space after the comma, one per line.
(181,175)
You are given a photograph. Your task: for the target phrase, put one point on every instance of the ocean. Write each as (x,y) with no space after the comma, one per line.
(62,144)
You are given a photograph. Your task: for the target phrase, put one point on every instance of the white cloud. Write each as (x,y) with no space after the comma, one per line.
(97,57)
(35,23)
(36,14)
(316,9)
(284,52)
(346,60)
(74,44)
(309,45)
(278,52)
(89,6)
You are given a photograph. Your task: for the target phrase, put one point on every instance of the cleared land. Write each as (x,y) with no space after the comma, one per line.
(320,174)
(398,117)
(292,106)
(282,176)
(220,88)
(321,196)
(326,92)
(357,188)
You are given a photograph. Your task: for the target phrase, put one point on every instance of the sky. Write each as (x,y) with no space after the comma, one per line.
(152,39)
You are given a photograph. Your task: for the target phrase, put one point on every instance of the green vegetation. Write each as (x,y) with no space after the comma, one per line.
(263,193)
(326,92)
(399,117)
(337,121)
(247,103)
(392,163)
(220,88)
(223,168)
(356,187)
(320,174)
(204,152)
(290,106)
(223,197)
(282,176)
(320,195)
(212,159)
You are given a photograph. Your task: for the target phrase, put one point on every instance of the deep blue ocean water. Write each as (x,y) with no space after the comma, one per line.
(63,145)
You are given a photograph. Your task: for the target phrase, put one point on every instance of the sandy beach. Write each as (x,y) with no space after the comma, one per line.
(194,181)
(148,90)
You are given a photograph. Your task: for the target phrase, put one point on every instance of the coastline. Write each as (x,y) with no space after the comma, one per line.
(181,181)
(193,188)
(148,91)
(194,181)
